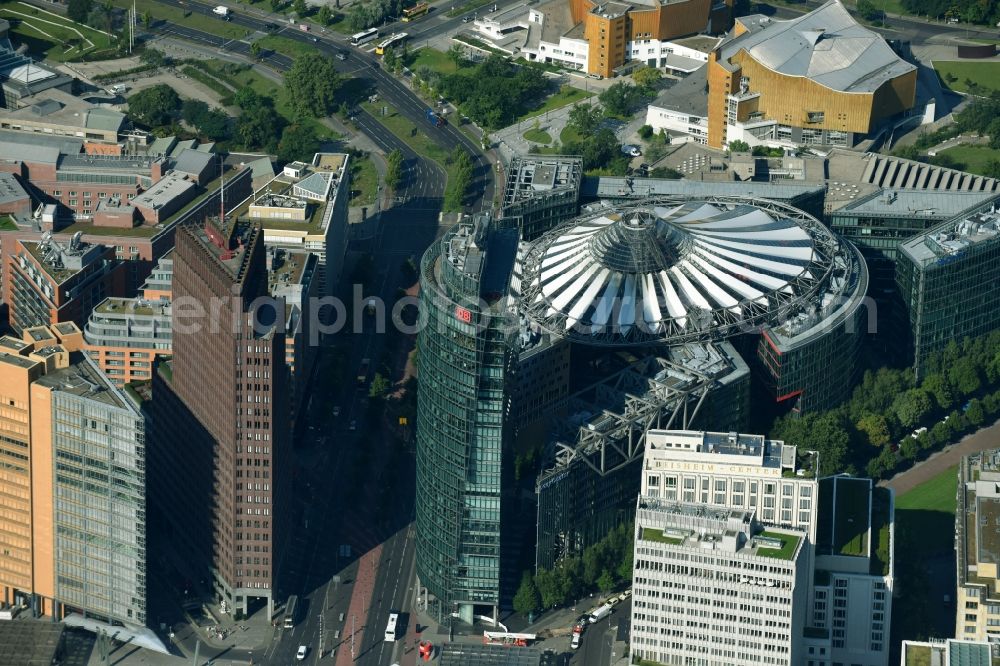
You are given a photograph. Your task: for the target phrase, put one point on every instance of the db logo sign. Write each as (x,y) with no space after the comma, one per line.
(463,315)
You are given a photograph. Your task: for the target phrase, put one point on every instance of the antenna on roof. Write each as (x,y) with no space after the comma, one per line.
(222,193)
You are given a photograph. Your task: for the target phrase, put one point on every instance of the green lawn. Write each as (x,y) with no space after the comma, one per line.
(652,534)
(289,47)
(468,6)
(364,182)
(161,11)
(851,529)
(414,136)
(938,494)
(566,95)
(986,74)
(435,60)
(789,543)
(538,136)
(51,36)
(973,158)
(7,224)
(918,655)
(569,135)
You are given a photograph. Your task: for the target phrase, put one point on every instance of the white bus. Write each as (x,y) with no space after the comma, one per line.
(390,628)
(390,41)
(290,609)
(364,36)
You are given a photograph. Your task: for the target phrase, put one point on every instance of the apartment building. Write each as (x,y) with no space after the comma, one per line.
(53,282)
(125,336)
(72,449)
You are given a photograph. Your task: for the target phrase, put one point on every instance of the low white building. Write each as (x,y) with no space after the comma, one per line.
(682,109)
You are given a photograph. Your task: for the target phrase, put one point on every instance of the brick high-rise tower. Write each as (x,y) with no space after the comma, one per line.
(222,449)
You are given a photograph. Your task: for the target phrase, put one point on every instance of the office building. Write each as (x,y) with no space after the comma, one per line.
(125,336)
(540,192)
(220,452)
(306,213)
(941,276)
(853,581)
(74,452)
(820,78)
(51,282)
(465,359)
(15,201)
(608,39)
(724,531)
(977,545)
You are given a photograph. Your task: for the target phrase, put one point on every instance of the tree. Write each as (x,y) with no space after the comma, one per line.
(214,125)
(146,18)
(312,84)
(276,5)
(606,582)
(258,128)
(298,141)
(912,407)
(647,77)
(151,56)
(107,13)
(456,54)
(527,600)
(868,11)
(937,386)
(459,180)
(548,588)
(390,60)
(154,106)
(964,376)
(247,98)
(379,386)
(646,132)
(619,98)
(193,111)
(975,412)
(394,169)
(739,147)
(876,429)
(79,10)
(300,8)
(255,50)
(880,466)
(325,15)
(585,118)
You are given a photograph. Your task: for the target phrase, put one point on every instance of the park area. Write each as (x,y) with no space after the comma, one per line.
(964,77)
(51,36)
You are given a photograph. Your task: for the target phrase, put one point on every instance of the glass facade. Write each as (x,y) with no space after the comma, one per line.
(462,407)
(947,280)
(100,508)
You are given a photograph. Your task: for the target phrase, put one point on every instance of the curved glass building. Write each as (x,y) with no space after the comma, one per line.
(462,432)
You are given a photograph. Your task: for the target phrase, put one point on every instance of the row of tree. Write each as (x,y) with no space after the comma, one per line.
(461,174)
(394,169)
(602,566)
(370,13)
(871,433)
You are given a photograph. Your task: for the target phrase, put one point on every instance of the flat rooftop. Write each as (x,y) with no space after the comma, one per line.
(61,272)
(918,203)
(125,307)
(717,447)
(988,529)
(952,238)
(85,380)
(287,268)
(532,177)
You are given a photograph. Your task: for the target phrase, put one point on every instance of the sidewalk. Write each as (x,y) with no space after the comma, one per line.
(357,613)
(981,440)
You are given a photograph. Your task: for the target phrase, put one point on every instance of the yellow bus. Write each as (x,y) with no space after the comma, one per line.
(415,11)
(390,41)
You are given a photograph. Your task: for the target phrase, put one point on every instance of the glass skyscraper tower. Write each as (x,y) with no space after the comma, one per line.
(465,358)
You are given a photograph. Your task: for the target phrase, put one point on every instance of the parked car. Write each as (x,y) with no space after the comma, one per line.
(631,151)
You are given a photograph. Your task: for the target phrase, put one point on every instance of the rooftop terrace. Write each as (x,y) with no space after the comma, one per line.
(952,238)
(83,379)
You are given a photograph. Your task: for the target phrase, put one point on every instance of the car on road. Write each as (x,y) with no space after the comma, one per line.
(341,55)
(353,426)
(271,27)
(301,654)
(466,19)
(631,151)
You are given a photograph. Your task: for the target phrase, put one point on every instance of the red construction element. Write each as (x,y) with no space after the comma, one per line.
(426,649)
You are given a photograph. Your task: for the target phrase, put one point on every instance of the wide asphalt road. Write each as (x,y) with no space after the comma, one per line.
(359,64)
